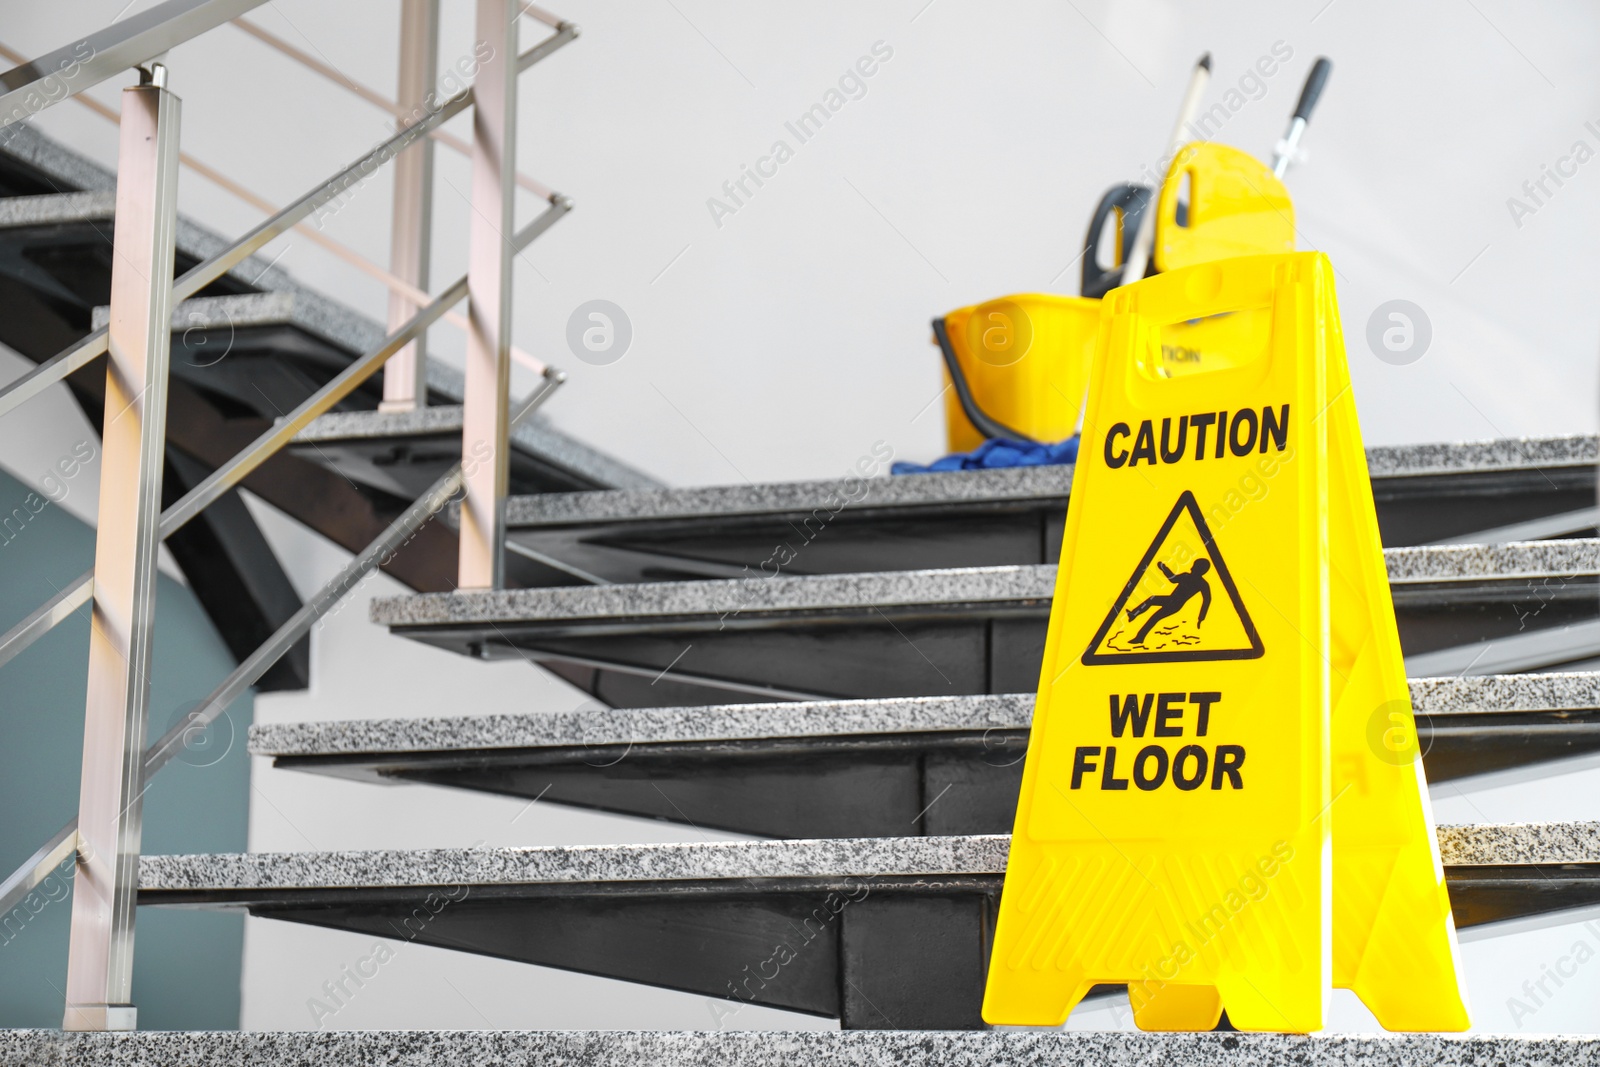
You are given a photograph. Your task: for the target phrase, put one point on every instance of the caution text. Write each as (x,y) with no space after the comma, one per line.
(1214,434)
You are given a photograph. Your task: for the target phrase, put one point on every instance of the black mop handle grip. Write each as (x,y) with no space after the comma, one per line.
(1313,88)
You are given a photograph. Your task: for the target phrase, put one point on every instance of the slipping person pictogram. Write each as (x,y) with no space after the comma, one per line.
(1178,624)
(1185,587)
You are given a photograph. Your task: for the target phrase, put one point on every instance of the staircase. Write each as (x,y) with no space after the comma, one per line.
(874,723)
(843,669)
(251,348)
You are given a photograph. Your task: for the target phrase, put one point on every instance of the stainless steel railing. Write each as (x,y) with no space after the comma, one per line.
(105,836)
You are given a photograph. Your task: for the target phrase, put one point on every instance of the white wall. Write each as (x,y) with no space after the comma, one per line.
(783,342)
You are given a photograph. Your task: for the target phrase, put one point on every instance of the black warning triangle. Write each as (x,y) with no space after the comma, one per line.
(1166,626)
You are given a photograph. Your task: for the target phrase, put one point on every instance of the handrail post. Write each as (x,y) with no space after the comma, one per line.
(404,380)
(485,418)
(100,960)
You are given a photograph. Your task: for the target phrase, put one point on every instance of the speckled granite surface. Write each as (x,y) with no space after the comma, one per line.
(351,425)
(846,857)
(78,172)
(321,318)
(848,1048)
(310,309)
(96,206)
(277,307)
(75,171)
(535,435)
(1517,559)
(1025,483)
(1511,843)
(1506,692)
(1018,483)
(621,726)
(1520,842)
(821,718)
(1438,563)
(1504,454)
(721,596)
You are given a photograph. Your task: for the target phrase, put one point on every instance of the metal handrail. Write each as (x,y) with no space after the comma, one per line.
(566,32)
(337,248)
(100,961)
(80,353)
(204,273)
(45,617)
(268,444)
(284,429)
(61,844)
(134,41)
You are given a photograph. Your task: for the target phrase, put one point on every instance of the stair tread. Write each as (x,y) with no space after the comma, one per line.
(1507,844)
(945,487)
(273,307)
(1506,453)
(52,208)
(1011,484)
(1489,694)
(756,1048)
(280,295)
(536,436)
(615,726)
(1019,582)
(323,319)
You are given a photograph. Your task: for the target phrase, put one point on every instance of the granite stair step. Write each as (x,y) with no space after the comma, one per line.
(404,452)
(951,632)
(254,339)
(1507,490)
(267,352)
(863,768)
(251,346)
(845,1048)
(876,932)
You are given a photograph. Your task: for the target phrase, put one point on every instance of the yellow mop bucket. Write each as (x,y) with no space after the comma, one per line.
(1018,367)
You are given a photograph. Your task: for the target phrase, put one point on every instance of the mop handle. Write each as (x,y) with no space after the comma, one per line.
(1302,115)
(1139,255)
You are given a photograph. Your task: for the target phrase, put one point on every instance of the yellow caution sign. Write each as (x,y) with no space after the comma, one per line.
(1204,814)
(1394,938)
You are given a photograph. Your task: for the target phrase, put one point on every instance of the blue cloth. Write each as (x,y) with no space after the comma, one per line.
(998,452)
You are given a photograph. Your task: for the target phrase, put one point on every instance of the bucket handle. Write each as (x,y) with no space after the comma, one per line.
(987,425)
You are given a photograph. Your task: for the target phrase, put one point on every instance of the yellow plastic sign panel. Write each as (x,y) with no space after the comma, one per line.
(1394,938)
(1203,815)
(1026,358)
(1236,207)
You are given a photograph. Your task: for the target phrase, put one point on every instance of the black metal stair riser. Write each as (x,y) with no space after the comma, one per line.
(405,466)
(916,650)
(228,383)
(1412,510)
(903,953)
(933,783)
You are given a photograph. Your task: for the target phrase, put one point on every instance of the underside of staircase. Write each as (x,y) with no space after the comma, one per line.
(245,352)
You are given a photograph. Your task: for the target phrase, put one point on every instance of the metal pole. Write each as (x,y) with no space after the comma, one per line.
(37,867)
(230,474)
(484,431)
(410,240)
(134,41)
(100,960)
